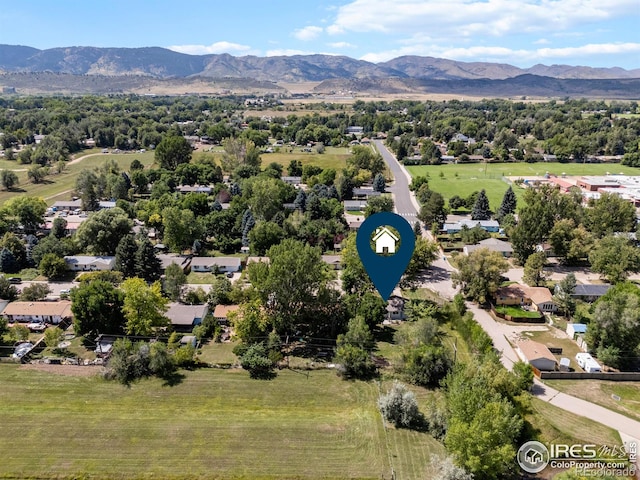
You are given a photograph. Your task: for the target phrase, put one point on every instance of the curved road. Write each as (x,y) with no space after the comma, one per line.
(407,206)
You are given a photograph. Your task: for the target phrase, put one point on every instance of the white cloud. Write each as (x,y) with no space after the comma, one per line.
(341,45)
(307,33)
(218,47)
(494,18)
(504,54)
(542,41)
(286,52)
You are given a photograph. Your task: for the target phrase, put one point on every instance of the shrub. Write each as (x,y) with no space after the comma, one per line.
(256,360)
(399,406)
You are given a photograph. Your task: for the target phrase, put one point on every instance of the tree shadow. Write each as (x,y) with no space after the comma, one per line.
(172,379)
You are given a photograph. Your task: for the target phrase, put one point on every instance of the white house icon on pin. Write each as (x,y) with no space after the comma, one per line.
(385,241)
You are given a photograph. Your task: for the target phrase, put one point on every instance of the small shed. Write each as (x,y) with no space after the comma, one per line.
(574,329)
(565,364)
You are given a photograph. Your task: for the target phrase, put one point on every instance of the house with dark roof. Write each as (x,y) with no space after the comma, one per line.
(364,193)
(456,227)
(590,292)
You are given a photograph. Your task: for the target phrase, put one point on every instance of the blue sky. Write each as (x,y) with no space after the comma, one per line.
(599,33)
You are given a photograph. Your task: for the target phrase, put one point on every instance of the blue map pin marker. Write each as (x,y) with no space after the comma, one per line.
(387,266)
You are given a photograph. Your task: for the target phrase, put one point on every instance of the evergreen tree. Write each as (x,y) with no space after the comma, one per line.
(234,190)
(301,200)
(148,265)
(126,260)
(248,222)
(481,209)
(8,262)
(417,230)
(508,204)
(379,183)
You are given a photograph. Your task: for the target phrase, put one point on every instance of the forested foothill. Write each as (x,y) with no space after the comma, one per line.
(226,199)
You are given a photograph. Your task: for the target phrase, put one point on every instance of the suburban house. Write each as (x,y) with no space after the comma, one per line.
(395,308)
(385,241)
(295,181)
(355,205)
(254,259)
(207,189)
(488,225)
(167,259)
(493,244)
(184,317)
(221,313)
(537,355)
(364,193)
(213,264)
(590,293)
(47,312)
(334,261)
(89,263)
(523,295)
(574,329)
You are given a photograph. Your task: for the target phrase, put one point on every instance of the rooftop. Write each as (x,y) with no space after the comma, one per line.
(61,308)
(534,350)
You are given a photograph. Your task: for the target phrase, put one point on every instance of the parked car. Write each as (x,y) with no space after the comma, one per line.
(65,291)
(37,326)
(15,280)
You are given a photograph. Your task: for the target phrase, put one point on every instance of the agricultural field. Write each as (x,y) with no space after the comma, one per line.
(464,179)
(211,424)
(58,186)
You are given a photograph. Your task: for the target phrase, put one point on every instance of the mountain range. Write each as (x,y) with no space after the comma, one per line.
(163,63)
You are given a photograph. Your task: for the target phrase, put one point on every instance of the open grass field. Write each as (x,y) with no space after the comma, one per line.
(214,424)
(333,157)
(555,425)
(600,392)
(490,176)
(59,186)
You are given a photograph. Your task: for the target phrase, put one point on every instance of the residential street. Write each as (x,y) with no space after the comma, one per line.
(439,279)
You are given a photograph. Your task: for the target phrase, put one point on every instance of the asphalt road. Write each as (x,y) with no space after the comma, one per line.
(405,202)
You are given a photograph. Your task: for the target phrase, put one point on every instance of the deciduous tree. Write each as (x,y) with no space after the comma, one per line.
(101,232)
(52,266)
(97,308)
(172,151)
(479,273)
(614,258)
(144,307)
(534,269)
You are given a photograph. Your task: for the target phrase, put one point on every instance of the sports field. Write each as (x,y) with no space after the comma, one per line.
(214,424)
(464,179)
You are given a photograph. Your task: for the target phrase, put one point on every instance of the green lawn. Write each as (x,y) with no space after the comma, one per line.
(554,425)
(333,157)
(215,424)
(517,311)
(476,176)
(600,392)
(59,186)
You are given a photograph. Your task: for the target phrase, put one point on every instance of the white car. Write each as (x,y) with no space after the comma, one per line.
(36,326)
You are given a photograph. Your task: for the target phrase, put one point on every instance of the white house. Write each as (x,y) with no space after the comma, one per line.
(385,241)
(89,263)
(48,312)
(211,264)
